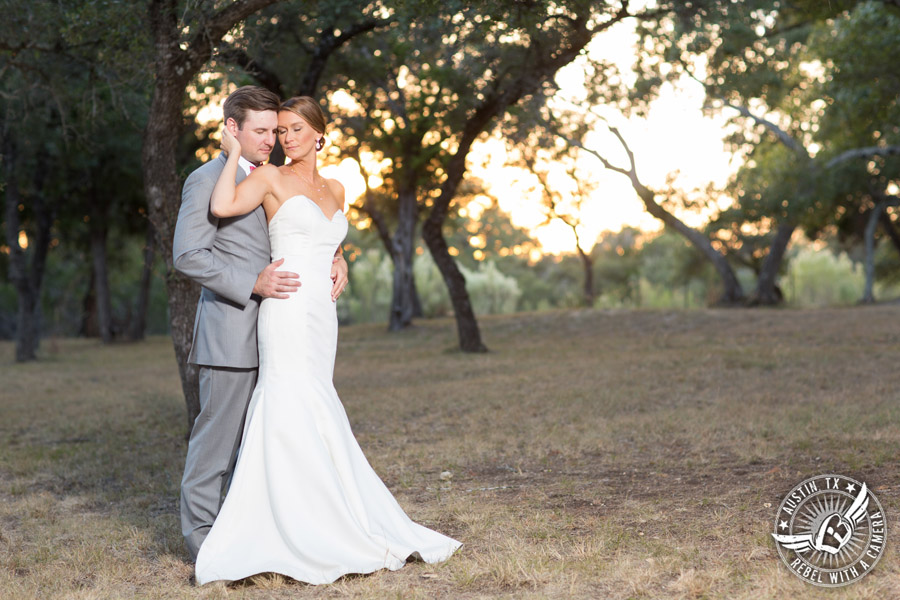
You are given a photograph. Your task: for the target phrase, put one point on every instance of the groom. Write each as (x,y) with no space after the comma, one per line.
(230,259)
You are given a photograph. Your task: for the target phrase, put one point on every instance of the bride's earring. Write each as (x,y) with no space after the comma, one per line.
(320,143)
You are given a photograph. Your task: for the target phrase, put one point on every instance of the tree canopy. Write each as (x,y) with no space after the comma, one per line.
(99,124)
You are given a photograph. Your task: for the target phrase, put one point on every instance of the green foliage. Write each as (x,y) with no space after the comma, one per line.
(671,273)
(858,83)
(76,77)
(653,295)
(887,265)
(822,278)
(280,46)
(492,292)
(617,263)
(860,107)
(63,302)
(430,286)
(369,295)
(822,73)
(71,121)
(668,260)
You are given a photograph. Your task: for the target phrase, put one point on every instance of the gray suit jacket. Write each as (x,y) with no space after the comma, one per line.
(224,256)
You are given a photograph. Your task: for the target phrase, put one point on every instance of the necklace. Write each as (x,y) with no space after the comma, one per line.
(316,189)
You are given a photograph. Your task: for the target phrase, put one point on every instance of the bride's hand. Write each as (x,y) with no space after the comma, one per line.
(229,143)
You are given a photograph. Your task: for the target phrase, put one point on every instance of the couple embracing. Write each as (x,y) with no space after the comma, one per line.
(302,500)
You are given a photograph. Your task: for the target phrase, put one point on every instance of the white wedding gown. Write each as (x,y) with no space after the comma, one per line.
(304,501)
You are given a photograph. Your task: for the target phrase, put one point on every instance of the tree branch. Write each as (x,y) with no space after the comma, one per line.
(498,100)
(864,152)
(600,157)
(214,29)
(361,27)
(782,136)
(326,46)
(266,77)
(549,197)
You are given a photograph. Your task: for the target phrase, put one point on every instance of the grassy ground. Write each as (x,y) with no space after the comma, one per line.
(594,454)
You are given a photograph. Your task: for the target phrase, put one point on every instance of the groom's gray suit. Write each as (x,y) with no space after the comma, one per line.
(225,256)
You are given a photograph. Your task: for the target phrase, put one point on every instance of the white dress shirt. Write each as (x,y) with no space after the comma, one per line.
(246,165)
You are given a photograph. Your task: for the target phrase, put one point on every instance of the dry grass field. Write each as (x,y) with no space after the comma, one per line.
(594,454)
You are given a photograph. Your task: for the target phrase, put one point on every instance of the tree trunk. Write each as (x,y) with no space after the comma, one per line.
(888,226)
(27,330)
(182,312)
(869,238)
(26,276)
(162,188)
(588,266)
(89,327)
(767,292)
(176,62)
(402,251)
(276,156)
(100,270)
(317,63)
(138,326)
(402,301)
(466,324)
(732,293)
(44,217)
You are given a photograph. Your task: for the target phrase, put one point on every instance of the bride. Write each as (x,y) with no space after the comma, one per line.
(303,501)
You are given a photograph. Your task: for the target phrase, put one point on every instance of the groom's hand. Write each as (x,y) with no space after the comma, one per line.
(339,276)
(276,284)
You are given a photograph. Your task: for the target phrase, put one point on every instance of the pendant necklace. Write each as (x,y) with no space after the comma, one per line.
(315,189)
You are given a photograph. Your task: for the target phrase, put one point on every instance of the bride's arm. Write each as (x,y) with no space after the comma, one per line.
(229,200)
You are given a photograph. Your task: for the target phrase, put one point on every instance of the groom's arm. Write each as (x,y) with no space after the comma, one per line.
(195,233)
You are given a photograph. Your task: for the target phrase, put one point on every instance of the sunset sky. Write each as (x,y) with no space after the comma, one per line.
(676,136)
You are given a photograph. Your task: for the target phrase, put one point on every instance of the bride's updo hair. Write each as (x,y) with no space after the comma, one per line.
(310,111)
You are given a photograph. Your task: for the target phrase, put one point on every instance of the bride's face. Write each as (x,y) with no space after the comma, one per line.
(296,136)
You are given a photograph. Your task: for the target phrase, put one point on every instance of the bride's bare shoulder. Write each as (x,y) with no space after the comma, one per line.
(336,188)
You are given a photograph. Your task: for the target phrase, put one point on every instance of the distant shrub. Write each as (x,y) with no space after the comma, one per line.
(492,292)
(822,278)
(369,297)
(371,285)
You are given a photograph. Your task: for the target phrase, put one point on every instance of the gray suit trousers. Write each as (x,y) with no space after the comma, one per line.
(212,451)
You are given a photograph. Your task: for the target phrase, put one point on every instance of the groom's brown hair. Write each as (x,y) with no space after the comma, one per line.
(249,97)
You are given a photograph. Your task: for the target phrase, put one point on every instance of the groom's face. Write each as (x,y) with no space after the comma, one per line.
(257,134)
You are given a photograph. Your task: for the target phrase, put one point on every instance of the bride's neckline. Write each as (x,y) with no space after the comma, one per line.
(313,202)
